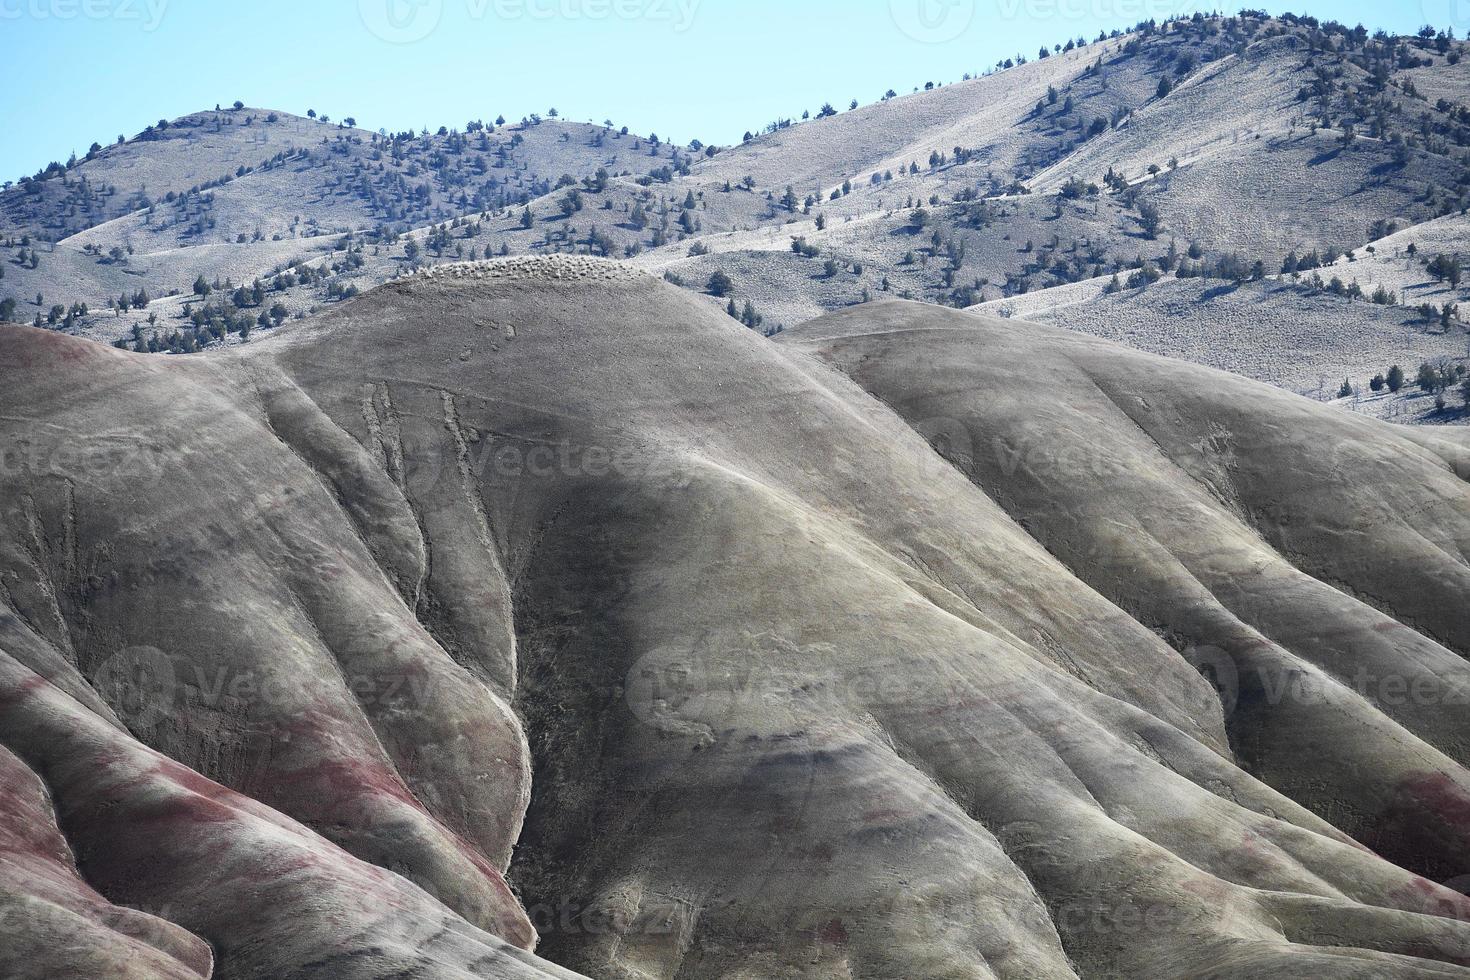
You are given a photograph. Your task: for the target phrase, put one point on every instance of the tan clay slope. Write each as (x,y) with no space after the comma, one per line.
(790,694)
(1317,562)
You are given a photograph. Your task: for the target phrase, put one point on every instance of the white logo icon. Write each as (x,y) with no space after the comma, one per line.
(401,21)
(933,21)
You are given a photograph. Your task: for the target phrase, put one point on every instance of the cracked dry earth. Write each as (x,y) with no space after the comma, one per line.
(538,606)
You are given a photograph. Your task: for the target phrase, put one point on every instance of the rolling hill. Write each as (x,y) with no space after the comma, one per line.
(1222,149)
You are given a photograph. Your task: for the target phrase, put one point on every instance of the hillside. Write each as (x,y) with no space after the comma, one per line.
(1276,331)
(1226,150)
(240,195)
(547,588)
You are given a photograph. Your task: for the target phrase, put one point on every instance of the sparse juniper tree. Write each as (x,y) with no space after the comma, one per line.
(1446,268)
(7,309)
(1428,378)
(720,284)
(1148,219)
(527,219)
(1395,378)
(1165,87)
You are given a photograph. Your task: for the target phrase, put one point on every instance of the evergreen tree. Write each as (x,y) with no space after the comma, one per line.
(720,284)
(1148,218)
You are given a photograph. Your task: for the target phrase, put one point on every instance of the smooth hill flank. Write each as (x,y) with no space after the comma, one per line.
(545,573)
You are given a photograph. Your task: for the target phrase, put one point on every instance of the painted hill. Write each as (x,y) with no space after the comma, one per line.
(540,597)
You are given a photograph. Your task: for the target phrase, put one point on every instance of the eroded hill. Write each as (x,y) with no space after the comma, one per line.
(538,597)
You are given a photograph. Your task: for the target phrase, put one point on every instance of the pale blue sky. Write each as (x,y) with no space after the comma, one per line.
(84,70)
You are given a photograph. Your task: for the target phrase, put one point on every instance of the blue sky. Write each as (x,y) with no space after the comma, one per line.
(85,70)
